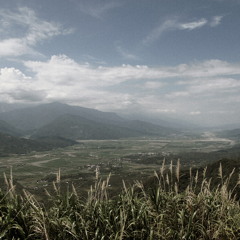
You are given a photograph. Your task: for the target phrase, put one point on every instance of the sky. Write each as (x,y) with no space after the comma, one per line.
(156,58)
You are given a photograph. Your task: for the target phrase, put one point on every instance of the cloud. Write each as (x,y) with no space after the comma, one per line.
(193,25)
(15,47)
(61,70)
(173,24)
(23,30)
(16,86)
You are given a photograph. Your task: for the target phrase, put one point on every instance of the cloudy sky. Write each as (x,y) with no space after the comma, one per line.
(179,59)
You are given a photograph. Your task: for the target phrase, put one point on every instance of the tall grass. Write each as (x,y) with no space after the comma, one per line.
(159,212)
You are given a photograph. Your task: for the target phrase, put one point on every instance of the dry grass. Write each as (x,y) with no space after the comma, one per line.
(162,212)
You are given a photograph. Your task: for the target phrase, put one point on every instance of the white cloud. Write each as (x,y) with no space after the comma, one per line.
(62,70)
(193,25)
(33,30)
(16,86)
(15,47)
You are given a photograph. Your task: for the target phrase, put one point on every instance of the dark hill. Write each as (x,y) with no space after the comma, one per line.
(15,145)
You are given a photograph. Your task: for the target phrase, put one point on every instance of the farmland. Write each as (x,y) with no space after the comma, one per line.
(128,159)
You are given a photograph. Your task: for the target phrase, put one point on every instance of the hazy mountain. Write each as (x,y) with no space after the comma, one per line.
(36,117)
(163,121)
(56,119)
(147,128)
(76,127)
(8,129)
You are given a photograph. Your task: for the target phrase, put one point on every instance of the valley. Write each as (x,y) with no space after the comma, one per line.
(125,159)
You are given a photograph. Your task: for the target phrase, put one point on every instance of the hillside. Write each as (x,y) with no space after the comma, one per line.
(15,145)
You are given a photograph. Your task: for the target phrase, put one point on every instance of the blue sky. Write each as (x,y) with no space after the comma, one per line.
(157,58)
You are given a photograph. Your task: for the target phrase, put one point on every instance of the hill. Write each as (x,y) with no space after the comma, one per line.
(15,145)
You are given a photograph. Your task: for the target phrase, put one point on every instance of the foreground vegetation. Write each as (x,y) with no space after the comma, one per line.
(159,212)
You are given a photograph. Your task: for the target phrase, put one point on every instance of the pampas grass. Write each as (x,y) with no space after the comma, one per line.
(162,212)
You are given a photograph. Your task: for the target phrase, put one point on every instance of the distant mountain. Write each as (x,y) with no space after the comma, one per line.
(15,145)
(163,121)
(147,128)
(8,129)
(76,127)
(57,119)
(36,117)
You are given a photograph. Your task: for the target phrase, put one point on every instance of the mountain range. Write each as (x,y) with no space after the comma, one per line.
(73,122)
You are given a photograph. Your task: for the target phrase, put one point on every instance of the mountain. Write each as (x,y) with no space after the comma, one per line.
(15,145)
(76,127)
(146,128)
(36,117)
(57,119)
(164,121)
(8,129)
